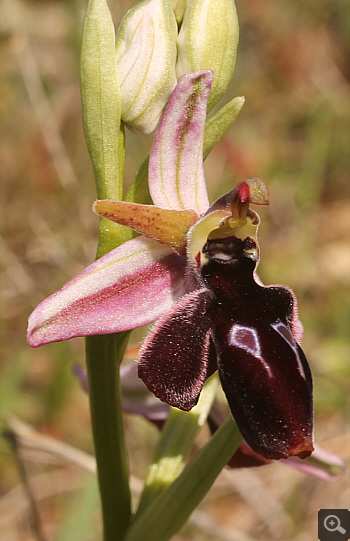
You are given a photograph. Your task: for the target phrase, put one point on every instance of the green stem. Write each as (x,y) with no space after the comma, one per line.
(104,135)
(103,357)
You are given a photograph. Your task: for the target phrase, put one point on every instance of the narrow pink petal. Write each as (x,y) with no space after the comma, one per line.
(176,175)
(127,288)
(321,464)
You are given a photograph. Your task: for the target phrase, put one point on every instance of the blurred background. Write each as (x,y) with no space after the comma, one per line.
(293,132)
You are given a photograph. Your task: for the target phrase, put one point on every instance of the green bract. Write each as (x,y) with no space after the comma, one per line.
(101,99)
(208,40)
(101,112)
(146,56)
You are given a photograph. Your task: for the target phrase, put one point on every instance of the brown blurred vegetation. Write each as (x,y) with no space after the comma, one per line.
(293,69)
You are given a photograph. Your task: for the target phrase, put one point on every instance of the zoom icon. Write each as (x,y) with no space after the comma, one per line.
(334,525)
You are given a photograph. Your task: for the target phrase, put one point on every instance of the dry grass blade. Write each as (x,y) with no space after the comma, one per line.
(34,517)
(29,439)
(206,524)
(268,508)
(15,504)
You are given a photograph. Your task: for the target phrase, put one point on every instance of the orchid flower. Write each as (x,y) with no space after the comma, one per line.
(193,271)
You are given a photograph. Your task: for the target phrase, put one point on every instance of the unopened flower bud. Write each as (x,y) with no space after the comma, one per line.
(208,39)
(179,7)
(146,55)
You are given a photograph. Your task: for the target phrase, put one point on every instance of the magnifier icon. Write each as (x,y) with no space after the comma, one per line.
(332,524)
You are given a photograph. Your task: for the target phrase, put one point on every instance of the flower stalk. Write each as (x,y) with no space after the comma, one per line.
(103,357)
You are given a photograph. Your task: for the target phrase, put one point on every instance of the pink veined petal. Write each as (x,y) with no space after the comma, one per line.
(127,288)
(176,174)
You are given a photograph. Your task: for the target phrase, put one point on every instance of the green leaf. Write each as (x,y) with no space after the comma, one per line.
(175,444)
(219,124)
(104,132)
(171,509)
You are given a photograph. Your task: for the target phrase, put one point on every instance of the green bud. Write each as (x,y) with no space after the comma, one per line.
(208,39)
(179,7)
(146,56)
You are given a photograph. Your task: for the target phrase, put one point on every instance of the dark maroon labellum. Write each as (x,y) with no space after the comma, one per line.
(263,371)
(245,330)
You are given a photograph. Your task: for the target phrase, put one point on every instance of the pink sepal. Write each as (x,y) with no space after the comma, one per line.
(129,287)
(176,175)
